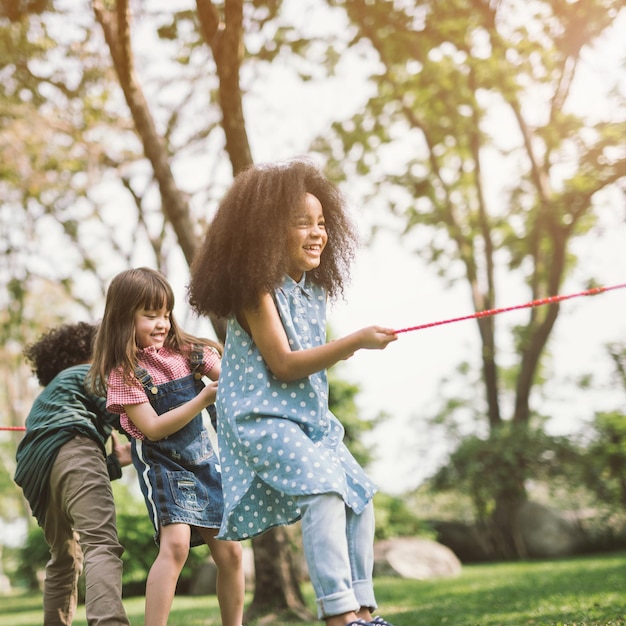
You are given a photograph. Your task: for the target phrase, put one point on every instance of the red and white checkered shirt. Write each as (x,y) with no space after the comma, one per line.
(163,365)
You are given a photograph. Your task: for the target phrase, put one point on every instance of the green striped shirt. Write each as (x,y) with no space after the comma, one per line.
(62,410)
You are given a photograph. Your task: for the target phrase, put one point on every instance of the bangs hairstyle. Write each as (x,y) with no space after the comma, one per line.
(244,253)
(115,344)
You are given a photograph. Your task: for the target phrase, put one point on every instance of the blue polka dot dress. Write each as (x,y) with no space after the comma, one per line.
(278,439)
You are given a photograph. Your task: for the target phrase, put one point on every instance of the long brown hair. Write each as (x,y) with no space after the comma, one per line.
(115,345)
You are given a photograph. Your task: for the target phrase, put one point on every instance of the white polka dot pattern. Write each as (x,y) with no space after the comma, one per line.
(279,440)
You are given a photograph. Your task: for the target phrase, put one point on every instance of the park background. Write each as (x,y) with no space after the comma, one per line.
(83,197)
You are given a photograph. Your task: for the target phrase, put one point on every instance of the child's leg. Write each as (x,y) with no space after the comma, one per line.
(326,551)
(360,534)
(92,510)
(164,573)
(60,593)
(228,557)
(81,509)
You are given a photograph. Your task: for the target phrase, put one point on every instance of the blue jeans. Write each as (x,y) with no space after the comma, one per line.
(339,551)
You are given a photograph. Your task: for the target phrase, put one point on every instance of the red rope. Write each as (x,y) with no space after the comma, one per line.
(551,300)
(490,312)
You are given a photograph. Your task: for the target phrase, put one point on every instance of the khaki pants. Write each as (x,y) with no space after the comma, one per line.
(80,528)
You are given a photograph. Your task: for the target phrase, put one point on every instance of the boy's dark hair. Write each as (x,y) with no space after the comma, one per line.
(60,348)
(244,253)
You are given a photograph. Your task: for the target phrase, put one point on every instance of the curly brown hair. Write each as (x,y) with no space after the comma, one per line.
(60,348)
(244,253)
(115,346)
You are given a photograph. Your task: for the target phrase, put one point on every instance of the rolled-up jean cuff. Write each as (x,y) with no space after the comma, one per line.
(337,604)
(364,592)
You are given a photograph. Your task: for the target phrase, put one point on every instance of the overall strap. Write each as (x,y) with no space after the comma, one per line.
(196,359)
(146,380)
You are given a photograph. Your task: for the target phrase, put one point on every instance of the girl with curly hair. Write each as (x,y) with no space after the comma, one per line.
(152,371)
(279,245)
(65,474)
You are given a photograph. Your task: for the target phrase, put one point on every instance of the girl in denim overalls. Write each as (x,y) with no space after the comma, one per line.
(285,241)
(152,371)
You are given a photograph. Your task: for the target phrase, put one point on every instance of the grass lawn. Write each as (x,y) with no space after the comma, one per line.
(582,591)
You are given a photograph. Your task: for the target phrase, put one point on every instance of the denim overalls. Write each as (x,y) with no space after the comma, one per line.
(179,475)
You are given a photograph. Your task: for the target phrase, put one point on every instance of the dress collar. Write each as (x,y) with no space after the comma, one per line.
(290,285)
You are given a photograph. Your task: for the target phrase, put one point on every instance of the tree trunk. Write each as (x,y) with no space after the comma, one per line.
(225,38)
(116,28)
(176,210)
(508,542)
(277,595)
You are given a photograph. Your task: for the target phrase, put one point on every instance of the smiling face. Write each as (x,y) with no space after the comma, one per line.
(152,327)
(306,237)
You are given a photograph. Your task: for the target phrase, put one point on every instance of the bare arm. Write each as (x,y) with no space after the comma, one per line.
(155,426)
(266,328)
